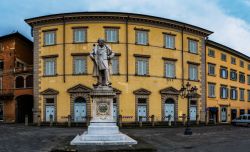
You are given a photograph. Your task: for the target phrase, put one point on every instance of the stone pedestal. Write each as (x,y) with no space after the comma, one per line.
(102,129)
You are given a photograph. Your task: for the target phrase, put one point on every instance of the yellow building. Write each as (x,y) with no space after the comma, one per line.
(154,58)
(228,81)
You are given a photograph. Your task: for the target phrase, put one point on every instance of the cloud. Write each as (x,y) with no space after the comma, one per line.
(228,30)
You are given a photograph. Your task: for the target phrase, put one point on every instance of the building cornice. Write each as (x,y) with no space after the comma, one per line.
(227,49)
(117,16)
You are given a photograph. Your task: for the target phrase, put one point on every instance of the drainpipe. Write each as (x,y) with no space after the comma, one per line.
(182,54)
(206,38)
(127,48)
(64,80)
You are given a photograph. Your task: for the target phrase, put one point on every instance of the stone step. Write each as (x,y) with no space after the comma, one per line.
(103,130)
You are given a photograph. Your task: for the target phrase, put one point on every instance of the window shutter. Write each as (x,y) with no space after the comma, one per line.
(226,73)
(221,73)
(221,91)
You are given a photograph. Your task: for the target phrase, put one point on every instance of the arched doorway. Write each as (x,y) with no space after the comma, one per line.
(80,109)
(169,109)
(24,107)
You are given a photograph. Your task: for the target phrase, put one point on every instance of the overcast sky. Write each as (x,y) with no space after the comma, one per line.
(228,19)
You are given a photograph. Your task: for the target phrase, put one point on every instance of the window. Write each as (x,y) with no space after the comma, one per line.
(1,83)
(211,90)
(223,73)
(211,53)
(19,82)
(242,77)
(115,65)
(241,63)
(242,111)
(142,37)
(29,81)
(248,66)
(50,38)
(233,60)
(193,72)
(242,94)
(1,46)
(170,69)
(233,75)
(80,65)
(193,46)
(248,79)
(224,92)
(248,95)
(211,69)
(1,65)
(169,41)
(233,93)
(49,67)
(80,35)
(142,66)
(223,57)
(111,35)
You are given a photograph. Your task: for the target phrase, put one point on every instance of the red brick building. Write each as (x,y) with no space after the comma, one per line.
(16,78)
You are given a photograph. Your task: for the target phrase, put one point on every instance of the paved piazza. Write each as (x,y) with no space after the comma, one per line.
(18,138)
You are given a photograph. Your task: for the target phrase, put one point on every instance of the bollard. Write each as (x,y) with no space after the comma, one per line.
(184,120)
(214,119)
(120,121)
(169,120)
(69,120)
(206,120)
(38,120)
(197,120)
(51,120)
(87,120)
(26,120)
(140,121)
(153,120)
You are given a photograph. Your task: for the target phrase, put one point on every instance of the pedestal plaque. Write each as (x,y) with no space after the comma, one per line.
(102,129)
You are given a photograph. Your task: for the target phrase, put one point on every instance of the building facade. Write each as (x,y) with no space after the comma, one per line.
(16,80)
(154,58)
(228,82)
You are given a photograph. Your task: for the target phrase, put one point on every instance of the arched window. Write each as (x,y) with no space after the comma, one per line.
(29,81)
(169,101)
(80,100)
(19,82)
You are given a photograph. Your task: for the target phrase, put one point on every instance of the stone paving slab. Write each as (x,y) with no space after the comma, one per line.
(18,138)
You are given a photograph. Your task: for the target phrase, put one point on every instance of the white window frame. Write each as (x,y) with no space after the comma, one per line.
(80,65)
(142,66)
(210,67)
(211,90)
(49,67)
(115,65)
(233,93)
(141,37)
(112,35)
(193,46)
(169,41)
(193,72)
(242,94)
(170,69)
(80,35)
(49,38)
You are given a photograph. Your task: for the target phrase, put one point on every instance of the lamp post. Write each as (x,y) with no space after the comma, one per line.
(188,92)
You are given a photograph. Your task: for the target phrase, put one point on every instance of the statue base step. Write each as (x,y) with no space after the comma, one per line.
(103,133)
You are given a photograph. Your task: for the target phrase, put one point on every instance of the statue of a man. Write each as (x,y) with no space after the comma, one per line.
(101,56)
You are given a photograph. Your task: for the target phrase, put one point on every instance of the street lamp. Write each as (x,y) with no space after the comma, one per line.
(188,92)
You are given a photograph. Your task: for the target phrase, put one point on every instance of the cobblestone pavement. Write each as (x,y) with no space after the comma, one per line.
(18,138)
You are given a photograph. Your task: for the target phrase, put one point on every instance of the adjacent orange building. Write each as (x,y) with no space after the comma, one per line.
(16,78)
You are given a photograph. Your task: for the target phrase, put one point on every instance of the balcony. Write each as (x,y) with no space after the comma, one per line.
(25,69)
(6,94)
